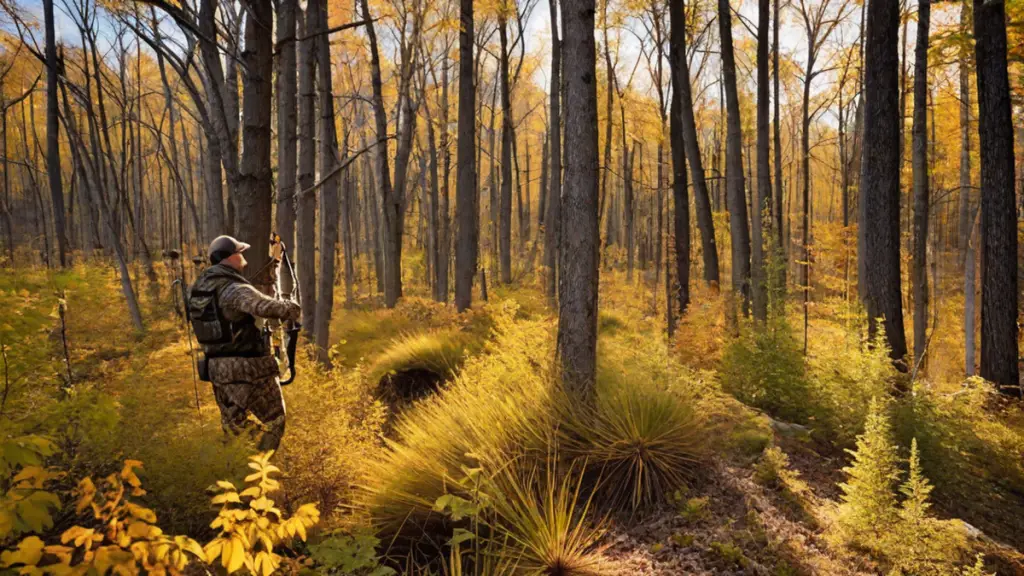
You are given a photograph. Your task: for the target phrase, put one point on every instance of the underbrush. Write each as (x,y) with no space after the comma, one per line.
(829,390)
(505,415)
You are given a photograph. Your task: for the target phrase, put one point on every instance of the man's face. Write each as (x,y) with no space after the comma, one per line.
(236,261)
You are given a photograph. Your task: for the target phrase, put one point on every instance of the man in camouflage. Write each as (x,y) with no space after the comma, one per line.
(240,365)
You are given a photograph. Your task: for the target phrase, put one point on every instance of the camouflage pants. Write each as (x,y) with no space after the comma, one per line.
(244,386)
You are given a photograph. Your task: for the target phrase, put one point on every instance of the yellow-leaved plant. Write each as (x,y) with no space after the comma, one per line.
(251,526)
(113,534)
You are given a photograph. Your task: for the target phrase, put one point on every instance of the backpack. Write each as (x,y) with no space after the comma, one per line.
(208,323)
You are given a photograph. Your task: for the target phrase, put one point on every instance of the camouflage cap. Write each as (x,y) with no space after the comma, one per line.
(225,246)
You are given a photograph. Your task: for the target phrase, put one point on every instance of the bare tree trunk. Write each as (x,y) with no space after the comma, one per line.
(254,198)
(577,318)
(53,137)
(999,289)
(285,80)
(919,274)
(779,232)
(467,209)
(328,191)
(701,201)
(505,200)
(735,195)
(880,177)
(759,288)
(444,225)
(628,159)
(305,231)
(965,130)
(553,218)
(970,309)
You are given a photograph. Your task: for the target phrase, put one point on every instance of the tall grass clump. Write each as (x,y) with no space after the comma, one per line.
(500,406)
(641,442)
(542,520)
(416,364)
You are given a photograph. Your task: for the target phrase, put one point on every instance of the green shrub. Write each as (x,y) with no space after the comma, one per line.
(764,368)
(843,378)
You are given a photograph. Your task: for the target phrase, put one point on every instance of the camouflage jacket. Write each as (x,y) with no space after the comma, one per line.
(240,303)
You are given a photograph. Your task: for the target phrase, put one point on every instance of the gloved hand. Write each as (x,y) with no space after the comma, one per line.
(294,312)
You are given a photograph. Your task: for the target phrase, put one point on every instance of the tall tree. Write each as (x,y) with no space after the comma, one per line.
(553,218)
(736,196)
(779,229)
(305,203)
(578,269)
(328,192)
(467,211)
(919,270)
(53,136)
(505,197)
(287,137)
(880,177)
(759,288)
(253,199)
(686,139)
(999,290)
(964,65)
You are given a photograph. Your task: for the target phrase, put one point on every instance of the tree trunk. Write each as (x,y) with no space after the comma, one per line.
(919,275)
(254,198)
(285,80)
(444,225)
(965,130)
(553,218)
(735,195)
(505,199)
(578,283)
(759,288)
(779,232)
(53,138)
(999,290)
(305,232)
(701,201)
(467,209)
(970,314)
(328,191)
(880,177)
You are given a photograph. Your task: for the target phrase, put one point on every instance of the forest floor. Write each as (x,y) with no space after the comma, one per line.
(139,399)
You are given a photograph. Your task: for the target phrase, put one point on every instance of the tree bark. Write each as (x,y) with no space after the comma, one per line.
(999,290)
(467,209)
(305,239)
(578,283)
(505,199)
(53,137)
(880,177)
(287,137)
(553,218)
(964,64)
(759,288)
(701,201)
(328,191)
(779,232)
(254,198)
(735,195)
(919,275)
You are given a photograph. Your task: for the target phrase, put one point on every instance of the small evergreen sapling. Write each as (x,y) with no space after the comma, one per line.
(868,506)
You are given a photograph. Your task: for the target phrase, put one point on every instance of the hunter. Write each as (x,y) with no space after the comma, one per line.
(224,307)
